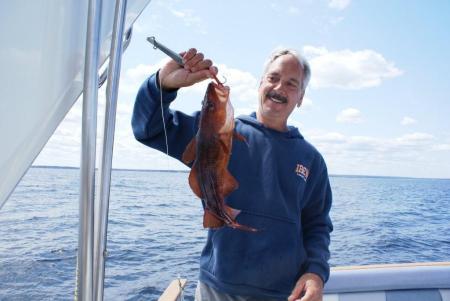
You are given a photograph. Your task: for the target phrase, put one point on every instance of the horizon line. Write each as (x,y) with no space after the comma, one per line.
(186,171)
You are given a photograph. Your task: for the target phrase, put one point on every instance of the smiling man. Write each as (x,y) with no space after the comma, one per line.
(282,88)
(284,190)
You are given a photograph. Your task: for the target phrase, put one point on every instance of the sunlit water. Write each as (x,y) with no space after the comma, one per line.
(155,230)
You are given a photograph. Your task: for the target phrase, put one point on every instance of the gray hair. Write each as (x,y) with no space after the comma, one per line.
(301,60)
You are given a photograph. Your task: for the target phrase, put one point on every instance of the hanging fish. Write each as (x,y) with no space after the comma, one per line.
(210,152)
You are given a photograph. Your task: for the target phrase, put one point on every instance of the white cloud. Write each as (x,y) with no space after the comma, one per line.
(414,139)
(274,5)
(339,4)
(349,115)
(347,69)
(329,137)
(414,154)
(363,142)
(138,27)
(336,20)
(244,86)
(294,122)
(190,19)
(140,71)
(333,140)
(312,51)
(293,10)
(243,97)
(307,104)
(282,9)
(441,147)
(408,121)
(243,110)
(344,154)
(132,78)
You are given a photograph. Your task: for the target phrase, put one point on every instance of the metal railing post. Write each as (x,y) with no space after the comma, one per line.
(88,152)
(102,200)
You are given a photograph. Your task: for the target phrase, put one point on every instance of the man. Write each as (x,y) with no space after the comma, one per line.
(284,189)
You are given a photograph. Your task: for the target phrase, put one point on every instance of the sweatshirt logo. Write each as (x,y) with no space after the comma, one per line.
(302,171)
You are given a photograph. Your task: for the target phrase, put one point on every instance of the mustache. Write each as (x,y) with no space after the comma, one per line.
(275,95)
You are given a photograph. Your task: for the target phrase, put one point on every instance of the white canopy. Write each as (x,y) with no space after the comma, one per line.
(41,74)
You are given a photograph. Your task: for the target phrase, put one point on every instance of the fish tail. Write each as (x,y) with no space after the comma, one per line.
(211,220)
(236,225)
(231,212)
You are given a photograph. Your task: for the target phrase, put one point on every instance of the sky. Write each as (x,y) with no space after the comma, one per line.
(378,99)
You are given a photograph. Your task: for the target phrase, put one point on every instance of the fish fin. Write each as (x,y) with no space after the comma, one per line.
(224,146)
(231,212)
(229,183)
(239,137)
(190,151)
(193,182)
(242,227)
(211,221)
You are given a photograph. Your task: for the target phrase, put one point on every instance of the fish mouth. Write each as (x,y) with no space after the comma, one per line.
(275,97)
(218,92)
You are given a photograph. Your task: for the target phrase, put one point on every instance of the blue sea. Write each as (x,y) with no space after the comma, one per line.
(155,230)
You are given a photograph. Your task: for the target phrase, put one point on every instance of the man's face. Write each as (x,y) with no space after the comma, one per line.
(280,91)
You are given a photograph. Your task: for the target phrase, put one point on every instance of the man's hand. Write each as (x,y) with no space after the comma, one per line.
(196,68)
(308,288)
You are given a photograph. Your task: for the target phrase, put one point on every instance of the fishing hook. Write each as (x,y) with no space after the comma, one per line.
(220,82)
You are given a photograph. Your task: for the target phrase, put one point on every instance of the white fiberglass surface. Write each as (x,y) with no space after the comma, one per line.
(42,54)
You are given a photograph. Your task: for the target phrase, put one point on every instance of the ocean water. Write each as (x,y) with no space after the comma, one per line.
(155,230)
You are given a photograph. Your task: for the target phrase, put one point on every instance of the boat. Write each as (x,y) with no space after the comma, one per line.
(51,53)
(61,47)
(429,281)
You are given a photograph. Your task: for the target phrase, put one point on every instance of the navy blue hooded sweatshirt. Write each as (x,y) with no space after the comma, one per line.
(284,192)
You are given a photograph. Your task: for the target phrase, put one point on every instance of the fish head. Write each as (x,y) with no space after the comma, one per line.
(217,111)
(216,97)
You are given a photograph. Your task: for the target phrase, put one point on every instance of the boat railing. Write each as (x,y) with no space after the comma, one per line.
(94,200)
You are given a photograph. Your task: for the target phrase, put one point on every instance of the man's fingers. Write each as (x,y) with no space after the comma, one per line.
(204,64)
(194,61)
(213,70)
(199,76)
(307,297)
(196,69)
(297,291)
(189,55)
(311,295)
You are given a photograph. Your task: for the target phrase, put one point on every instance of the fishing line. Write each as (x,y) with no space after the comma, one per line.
(177,58)
(162,117)
(180,286)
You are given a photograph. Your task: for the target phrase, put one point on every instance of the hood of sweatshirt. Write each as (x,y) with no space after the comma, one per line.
(291,133)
